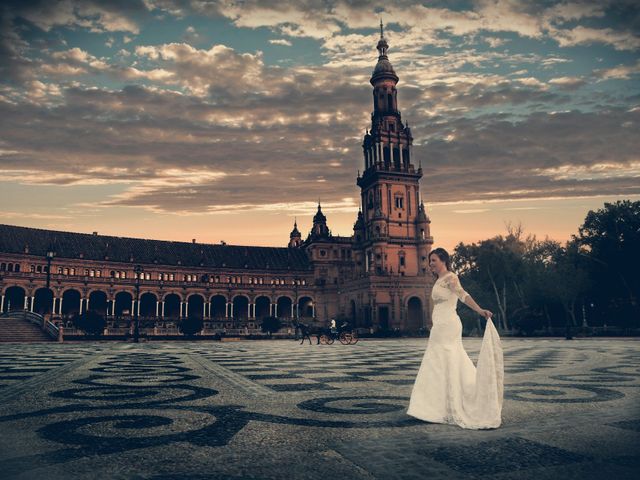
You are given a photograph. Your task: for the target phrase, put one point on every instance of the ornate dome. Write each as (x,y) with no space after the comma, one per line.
(295,232)
(319,216)
(383,66)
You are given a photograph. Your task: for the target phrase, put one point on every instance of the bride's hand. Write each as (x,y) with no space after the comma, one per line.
(486,314)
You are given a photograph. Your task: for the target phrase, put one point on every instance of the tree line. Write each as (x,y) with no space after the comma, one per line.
(588,285)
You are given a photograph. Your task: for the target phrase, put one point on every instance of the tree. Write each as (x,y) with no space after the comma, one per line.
(610,238)
(191,325)
(90,322)
(568,279)
(270,325)
(497,263)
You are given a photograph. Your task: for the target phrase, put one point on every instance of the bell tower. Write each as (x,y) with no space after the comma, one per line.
(395,237)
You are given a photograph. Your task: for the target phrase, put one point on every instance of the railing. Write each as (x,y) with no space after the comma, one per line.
(53,331)
(131,281)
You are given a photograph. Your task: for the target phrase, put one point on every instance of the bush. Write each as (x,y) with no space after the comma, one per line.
(90,322)
(270,325)
(191,325)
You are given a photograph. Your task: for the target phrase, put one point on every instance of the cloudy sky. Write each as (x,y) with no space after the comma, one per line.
(225,120)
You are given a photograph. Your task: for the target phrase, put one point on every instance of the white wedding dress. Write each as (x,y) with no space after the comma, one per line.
(448,388)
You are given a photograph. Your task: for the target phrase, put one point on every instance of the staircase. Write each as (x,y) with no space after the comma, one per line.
(16,326)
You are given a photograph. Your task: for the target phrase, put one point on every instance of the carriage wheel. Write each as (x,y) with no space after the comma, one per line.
(326,339)
(345,338)
(354,337)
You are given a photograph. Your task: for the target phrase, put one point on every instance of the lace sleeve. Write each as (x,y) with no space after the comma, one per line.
(452,282)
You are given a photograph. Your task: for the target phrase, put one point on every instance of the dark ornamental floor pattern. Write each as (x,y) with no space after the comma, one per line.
(282,410)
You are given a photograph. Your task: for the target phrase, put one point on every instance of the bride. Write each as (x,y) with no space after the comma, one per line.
(448,388)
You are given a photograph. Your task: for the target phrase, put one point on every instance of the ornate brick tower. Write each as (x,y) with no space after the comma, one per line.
(391,236)
(396,232)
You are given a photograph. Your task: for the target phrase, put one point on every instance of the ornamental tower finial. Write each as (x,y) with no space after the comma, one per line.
(382,46)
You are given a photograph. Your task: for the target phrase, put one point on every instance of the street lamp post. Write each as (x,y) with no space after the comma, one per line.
(296,313)
(50,254)
(136,331)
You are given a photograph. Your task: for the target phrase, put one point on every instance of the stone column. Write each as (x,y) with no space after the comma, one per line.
(26,302)
(204,310)
(60,306)
(133,305)
(162,309)
(86,304)
(181,309)
(32,302)
(249,308)
(157,308)
(2,304)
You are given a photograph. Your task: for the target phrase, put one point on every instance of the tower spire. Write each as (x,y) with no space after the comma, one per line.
(382,46)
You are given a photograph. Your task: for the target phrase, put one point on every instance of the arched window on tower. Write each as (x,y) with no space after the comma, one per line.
(387,156)
(406,158)
(389,102)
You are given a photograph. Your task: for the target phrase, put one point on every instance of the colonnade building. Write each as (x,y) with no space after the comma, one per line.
(376,278)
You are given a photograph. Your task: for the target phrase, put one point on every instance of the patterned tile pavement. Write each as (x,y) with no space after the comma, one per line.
(280,410)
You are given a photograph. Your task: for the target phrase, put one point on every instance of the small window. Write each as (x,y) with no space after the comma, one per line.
(402,261)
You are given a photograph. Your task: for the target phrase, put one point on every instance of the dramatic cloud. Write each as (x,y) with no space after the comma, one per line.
(215,116)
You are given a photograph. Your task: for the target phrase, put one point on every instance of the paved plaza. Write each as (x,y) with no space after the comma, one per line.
(280,410)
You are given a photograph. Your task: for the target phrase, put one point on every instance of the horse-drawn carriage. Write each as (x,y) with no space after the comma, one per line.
(328,335)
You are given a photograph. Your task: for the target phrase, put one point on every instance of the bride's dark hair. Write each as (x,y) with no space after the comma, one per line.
(443,255)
